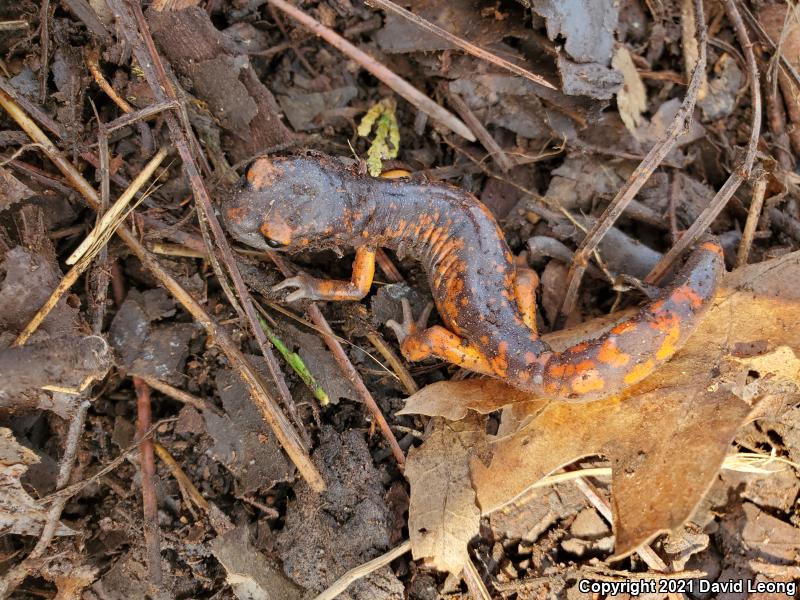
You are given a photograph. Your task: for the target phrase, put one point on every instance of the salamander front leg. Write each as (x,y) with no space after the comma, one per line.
(312,288)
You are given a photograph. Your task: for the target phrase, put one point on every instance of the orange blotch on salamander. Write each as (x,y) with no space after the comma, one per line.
(611,355)
(588,381)
(236,214)
(686,294)
(500,363)
(665,321)
(277,229)
(623,327)
(639,372)
(712,247)
(668,347)
(578,348)
(263,173)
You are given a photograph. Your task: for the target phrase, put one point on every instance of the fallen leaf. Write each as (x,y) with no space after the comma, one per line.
(443,515)
(19,513)
(242,441)
(248,572)
(666,438)
(632,97)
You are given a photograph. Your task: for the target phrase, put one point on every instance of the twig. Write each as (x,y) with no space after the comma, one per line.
(181,396)
(466,46)
(475,584)
(739,174)
(357,573)
(355,380)
(17,574)
(387,266)
(101,234)
(379,70)
(76,488)
(492,147)
(143,113)
(33,110)
(162,87)
(284,433)
(147,467)
(186,485)
(44,43)
(640,175)
(340,356)
(92,56)
(759,189)
(394,361)
(99,276)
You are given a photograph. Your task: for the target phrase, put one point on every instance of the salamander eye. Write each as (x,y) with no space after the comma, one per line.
(274,243)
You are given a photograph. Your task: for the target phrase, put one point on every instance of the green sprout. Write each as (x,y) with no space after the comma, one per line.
(297,364)
(386,142)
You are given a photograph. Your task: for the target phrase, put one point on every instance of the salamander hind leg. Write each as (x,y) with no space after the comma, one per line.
(441,343)
(525,285)
(418,343)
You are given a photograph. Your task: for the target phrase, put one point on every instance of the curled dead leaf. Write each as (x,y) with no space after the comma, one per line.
(666,438)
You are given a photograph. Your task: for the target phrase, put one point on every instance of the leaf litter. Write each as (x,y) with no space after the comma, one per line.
(257,531)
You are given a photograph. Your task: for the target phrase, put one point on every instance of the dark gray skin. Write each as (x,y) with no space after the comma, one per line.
(453,235)
(313,202)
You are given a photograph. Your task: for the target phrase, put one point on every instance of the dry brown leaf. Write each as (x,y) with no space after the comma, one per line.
(19,512)
(443,515)
(666,438)
(632,97)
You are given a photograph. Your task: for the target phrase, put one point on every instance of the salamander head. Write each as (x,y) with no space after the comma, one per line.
(288,204)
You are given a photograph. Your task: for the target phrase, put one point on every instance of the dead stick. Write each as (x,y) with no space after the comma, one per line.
(185,397)
(345,365)
(654,157)
(753,215)
(147,466)
(284,432)
(492,147)
(466,46)
(739,175)
(355,379)
(36,112)
(72,275)
(379,70)
(356,573)
(219,251)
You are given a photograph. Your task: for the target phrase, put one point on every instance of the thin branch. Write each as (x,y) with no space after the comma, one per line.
(356,573)
(492,147)
(147,468)
(379,70)
(331,341)
(103,233)
(640,175)
(753,215)
(739,174)
(466,46)
(284,432)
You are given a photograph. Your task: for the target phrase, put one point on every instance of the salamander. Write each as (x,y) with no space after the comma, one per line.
(487,304)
